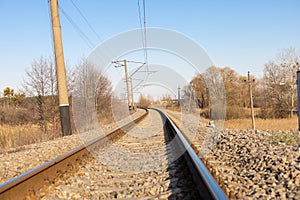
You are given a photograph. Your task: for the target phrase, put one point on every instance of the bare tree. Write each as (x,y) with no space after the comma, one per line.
(167,100)
(40,82)
(103,96)
(92,96)
(216,86)
(37,80)
(201,91)
(71,78)
(232,86)
(280,83)
(144,102)
(217,95)
(289,61)
(51,101)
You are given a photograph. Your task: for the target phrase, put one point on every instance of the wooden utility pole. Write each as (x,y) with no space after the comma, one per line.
(127,83)
(178,96)
(117,64)
(132,95)
(251,100)
(60,71)
(298,92)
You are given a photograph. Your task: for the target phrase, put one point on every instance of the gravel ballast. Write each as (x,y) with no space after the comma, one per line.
(17,161)
(247,164)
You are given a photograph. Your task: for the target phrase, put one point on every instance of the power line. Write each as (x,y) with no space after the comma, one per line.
(144,41)
(145,32)
(143,29)
(105,54)
(50,26)
(86,21)
(141,25)
(76,27)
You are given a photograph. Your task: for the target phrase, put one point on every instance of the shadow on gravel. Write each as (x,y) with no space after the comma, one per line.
(181,183)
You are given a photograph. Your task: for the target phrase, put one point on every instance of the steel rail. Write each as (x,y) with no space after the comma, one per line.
(206,184)
(31,181)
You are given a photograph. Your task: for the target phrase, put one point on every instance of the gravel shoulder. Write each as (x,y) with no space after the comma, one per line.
(16,161)
(245,162)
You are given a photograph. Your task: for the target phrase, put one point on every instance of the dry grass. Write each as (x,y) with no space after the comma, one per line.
(175,109)
(289,138)
(14,136)
(281,130)
(263,124)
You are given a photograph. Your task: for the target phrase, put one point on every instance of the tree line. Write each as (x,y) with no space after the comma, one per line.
(37,102)
(275,94)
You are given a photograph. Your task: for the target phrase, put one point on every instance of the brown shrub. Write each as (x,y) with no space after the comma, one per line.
(235,112)
(16,116)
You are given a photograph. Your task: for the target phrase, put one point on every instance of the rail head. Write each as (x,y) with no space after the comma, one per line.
(212,186)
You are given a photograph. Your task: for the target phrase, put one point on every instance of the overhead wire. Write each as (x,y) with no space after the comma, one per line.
(142,23)
(108,50)
(50,27)
(77,28)
(145,33)
(91,45)
(86,21)
(143,28)
(80,32)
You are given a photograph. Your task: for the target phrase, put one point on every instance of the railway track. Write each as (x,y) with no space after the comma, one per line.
(148,160)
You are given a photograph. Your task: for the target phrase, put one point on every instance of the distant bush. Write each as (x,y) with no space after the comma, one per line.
(232,112)
(235,112)
(16,116)
(204,113)
(144,102)
(273,113)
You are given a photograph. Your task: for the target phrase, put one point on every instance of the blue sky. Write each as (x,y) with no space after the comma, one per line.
(240,34)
